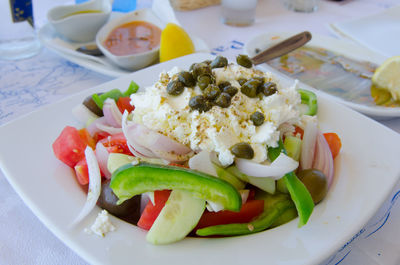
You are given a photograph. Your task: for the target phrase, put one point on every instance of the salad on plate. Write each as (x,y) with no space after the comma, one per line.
(220,149)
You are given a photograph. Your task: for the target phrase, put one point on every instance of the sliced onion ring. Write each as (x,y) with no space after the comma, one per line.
(277,169)
(308,146)
(102,155)
(112,113)
(323,160)
(94,186)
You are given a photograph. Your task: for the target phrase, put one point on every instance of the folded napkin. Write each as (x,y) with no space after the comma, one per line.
(379,32)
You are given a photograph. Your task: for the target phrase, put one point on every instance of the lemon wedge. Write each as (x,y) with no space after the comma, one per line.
(387,76)
(175,42)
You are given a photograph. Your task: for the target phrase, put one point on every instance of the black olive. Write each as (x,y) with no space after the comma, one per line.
(250,88)
(187,79)
(316,183)
(257,118)
(231,90)
(269,88)
(92,106)
(211,92)
(108,201)
(242,150)
(175,87)
(223,100)
(219,62)
(201,69)
(244,61)
(204,80)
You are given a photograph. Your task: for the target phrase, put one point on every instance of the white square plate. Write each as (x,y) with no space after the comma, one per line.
(366,171)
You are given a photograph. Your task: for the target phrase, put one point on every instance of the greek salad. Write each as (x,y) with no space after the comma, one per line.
(219,149)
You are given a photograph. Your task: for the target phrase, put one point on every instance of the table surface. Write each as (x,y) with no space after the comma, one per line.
(29,84)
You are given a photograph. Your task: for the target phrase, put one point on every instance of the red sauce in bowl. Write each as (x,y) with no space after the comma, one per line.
(133,37)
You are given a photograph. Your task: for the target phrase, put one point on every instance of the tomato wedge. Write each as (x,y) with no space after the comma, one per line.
(151,212)
(69,146)
(248,212)
(124,103)
(334,142)
(82,172)
(116,143)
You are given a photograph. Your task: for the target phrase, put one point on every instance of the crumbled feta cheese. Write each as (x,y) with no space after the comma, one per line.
(219,128)
(102,225)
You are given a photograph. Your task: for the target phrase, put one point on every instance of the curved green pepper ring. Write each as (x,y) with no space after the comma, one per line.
(310,99)
(114,94)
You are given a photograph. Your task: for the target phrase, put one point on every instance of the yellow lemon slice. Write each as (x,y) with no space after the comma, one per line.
(387,76)
(175,42)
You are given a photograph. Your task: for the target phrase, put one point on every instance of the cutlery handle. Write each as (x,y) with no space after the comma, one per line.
(282,48)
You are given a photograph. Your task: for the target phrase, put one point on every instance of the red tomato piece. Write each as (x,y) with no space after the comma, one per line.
(116,143)
(82,172)
(298,130)
(248,212)
(69,146)
(151,212)
(124,103)
(100,135)
(334,142)
(87,138)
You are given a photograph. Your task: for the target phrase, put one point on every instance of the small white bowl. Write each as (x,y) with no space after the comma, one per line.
(133,61)
(81,27)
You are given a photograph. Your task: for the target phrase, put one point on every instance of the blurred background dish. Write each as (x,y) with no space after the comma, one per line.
(80,22)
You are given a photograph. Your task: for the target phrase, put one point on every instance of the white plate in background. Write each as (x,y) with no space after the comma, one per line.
(366,171)
(338,46)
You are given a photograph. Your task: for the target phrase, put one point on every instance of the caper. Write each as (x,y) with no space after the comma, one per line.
(204,80)
(223,100)
(187,79)
(316,183)
(257,118)
(207,62)
(231,90)
(244,61)
(223,84)
(211,91)
(250,88)
(198,102)
(241,81)
(269,88)
(242,150)
(175,87)
(200,69)
(219,62)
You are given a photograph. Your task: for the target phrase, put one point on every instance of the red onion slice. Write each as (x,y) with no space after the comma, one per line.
(94,186)
(282,164)
(323,160)
(308,145)
(102,158)
(112,113)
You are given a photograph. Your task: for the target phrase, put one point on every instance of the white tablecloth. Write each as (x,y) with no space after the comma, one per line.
(29,84)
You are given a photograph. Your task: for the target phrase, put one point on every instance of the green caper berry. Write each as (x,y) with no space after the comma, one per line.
(207,62)
(242,81)
(211,91)
(242,150)
(250,88)
(223,100)
(231,90)
(208,105)
(200,69)
(244,61)
(219,62)
(223,84)
(204,80)
(257,118)
(269,88)
(187,79)
(175,87)
(198,103)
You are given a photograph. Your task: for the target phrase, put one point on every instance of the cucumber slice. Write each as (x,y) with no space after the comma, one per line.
(177,219)
(116,160)
(265,184)
(229,177)
(293,147)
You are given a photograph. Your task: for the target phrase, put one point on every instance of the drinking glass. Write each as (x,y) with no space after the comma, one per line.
(238,12)
(306,6)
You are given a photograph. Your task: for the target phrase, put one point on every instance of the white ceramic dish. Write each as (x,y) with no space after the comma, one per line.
(80,27)
(343,47)
(52,40)
(132,61)
(366,171)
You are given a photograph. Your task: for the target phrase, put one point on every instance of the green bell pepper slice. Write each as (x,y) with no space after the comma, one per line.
(114,94)
(310,99)
(130,180)
(298,192)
